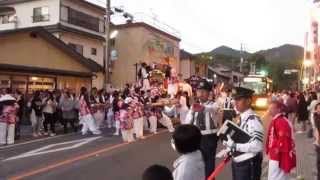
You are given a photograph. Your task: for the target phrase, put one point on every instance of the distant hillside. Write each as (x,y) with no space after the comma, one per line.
(225,50)
(288,54)
(277,60)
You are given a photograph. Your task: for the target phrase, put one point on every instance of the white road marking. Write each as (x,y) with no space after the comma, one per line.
(33,141)
(50,148)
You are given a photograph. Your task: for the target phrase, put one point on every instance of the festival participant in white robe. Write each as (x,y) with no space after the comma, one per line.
(185,87)
(182,107)
(137,116)
(8,117)
(125,119)
(280,145)
(145,77)
(85,116)
(100,105)
(173,84)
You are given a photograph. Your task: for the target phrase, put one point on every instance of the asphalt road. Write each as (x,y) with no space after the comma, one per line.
(105,158)
(80,157)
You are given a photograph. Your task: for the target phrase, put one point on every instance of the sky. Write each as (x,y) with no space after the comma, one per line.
(206,24)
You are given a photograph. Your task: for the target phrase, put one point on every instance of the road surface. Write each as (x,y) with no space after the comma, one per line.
(88,157)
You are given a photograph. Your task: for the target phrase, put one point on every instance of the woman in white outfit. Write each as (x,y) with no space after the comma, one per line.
(8,116)
(85,116)
(182,106)
(99,105)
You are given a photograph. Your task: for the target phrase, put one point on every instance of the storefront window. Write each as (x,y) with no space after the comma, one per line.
(19,83)
(41,83)
(4,81)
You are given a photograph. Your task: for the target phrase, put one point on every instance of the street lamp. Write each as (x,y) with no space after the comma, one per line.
(114,34)
(307,63)
(305,80)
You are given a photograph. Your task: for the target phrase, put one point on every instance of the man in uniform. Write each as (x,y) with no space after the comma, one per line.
(201,115)
(228,105)
(247,160)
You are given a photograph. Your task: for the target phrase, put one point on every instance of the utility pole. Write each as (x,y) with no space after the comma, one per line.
(241,59)
(107,79)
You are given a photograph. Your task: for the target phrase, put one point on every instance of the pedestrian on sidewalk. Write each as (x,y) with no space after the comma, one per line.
(303,114)
(49,109)
(317,137)
(190,165)
(311,108)
(85,115)
(20,101)
(292,106)
(8,117)
(69,114)
(280,146)
(36,115)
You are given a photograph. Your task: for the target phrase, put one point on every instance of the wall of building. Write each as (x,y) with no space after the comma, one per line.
(158,55)
(132,45)
(129,46)
(87,44)
(24,13)
(201,70)
(185,68)
(98,80)
(73,83)
(46,56)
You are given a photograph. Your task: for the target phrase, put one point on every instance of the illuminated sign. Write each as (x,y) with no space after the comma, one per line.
(252,79)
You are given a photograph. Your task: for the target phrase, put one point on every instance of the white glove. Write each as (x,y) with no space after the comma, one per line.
(223,153)
(230,143)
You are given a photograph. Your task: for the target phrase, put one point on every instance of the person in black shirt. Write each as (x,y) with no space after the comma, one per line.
(36,114)
(316,117)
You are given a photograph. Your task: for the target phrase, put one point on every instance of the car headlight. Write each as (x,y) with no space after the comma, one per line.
(262,102)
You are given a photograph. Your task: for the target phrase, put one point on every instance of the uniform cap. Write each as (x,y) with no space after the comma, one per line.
(205,85)
(240,92)
(7,97)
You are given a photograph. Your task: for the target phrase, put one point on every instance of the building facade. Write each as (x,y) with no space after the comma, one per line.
(222,74)
(139,42)
(55,65)
(79,24)
(189,66)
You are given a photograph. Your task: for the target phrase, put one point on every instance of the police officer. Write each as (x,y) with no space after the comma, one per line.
(228,106)
(201,115)
(247,160)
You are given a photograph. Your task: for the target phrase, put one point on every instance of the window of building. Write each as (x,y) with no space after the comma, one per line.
(77,47)
(4,19)
(112,42)
(41,14)
(235,79)
(64,13)
(93,51)
(197,69)
(81,19)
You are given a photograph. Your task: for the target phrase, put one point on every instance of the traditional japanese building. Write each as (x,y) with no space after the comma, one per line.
(34,59)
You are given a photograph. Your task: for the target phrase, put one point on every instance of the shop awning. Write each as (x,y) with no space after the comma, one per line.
(47,71)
